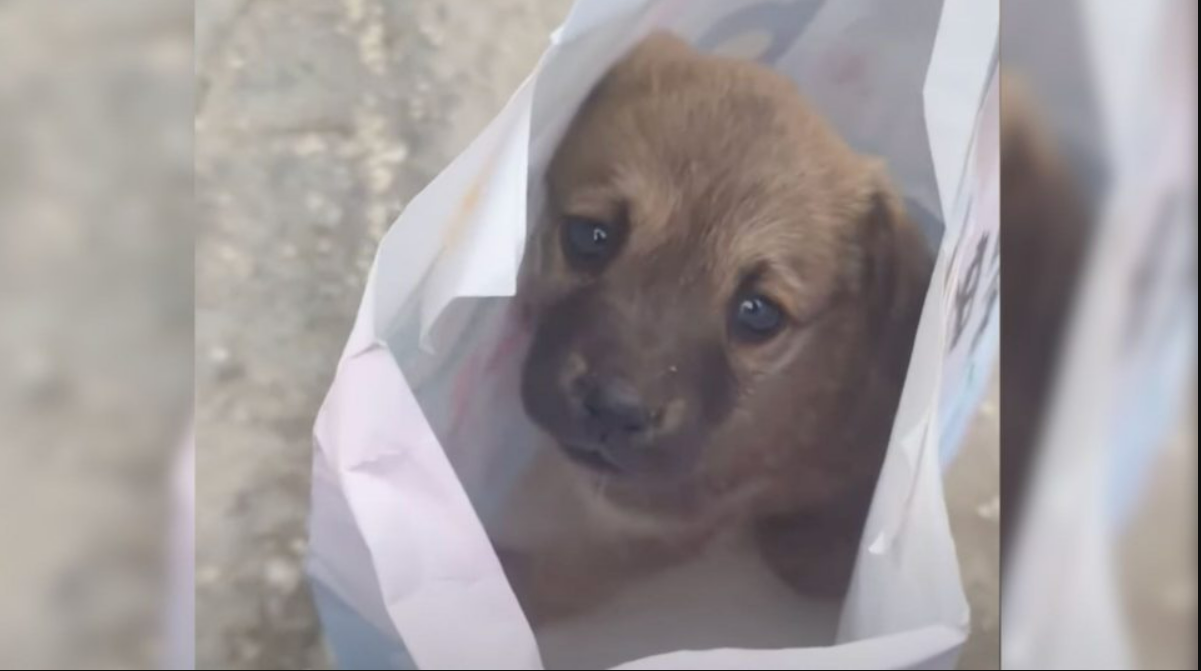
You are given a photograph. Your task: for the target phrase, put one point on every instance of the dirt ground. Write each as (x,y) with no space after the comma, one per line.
(316,121)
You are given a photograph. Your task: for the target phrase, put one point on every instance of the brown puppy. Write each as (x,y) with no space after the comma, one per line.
(724,297)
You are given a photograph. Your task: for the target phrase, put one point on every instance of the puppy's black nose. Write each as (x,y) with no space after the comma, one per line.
(613,406)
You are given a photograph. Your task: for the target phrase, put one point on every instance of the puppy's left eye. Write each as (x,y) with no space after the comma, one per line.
(757,317)
(588,240)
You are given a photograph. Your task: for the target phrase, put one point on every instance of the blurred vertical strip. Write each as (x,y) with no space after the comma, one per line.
(96,304)
(180,643)
(1099,323)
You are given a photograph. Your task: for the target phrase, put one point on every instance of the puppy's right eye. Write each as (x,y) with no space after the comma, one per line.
(588,241)
(757,318)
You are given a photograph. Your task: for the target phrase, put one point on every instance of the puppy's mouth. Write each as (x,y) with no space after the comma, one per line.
(591,458)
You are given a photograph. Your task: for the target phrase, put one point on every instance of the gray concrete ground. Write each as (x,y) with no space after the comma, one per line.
(316,121)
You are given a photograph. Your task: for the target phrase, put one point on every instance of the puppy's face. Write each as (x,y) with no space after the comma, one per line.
(702,282)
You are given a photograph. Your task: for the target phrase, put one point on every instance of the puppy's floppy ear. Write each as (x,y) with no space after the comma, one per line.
(895,269)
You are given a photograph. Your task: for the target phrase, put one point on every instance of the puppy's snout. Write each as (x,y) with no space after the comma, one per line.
(613,407)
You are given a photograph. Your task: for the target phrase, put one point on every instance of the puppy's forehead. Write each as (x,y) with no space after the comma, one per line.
(717,152)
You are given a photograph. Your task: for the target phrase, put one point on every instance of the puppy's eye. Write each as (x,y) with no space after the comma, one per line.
(757,317)
(588,240)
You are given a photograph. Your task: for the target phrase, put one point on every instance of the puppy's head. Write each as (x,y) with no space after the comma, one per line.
(714,266)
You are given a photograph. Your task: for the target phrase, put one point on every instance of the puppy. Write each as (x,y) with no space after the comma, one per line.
(723,298)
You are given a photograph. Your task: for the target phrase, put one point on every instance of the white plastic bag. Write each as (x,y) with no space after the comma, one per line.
(401,565)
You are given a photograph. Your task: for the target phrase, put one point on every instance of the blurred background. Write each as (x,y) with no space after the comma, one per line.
(96,221)
(1099,328)
(280,157)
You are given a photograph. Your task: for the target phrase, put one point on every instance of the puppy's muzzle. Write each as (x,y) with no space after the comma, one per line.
(612,410)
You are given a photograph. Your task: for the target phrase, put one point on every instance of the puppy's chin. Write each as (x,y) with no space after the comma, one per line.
(593,460)
(660,468)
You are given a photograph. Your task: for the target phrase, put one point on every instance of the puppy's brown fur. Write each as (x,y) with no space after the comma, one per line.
(716,181)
